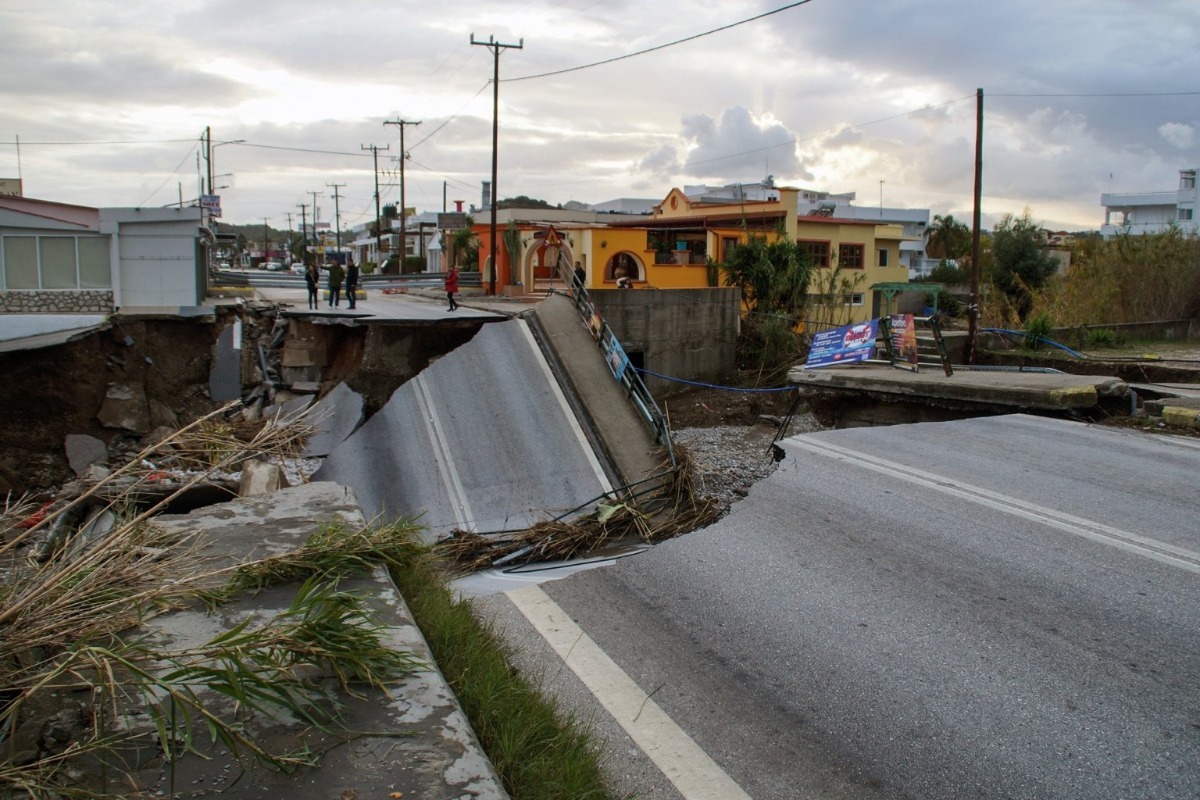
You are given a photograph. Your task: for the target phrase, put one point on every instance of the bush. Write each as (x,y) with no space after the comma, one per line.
(1103,337)
(1037,329)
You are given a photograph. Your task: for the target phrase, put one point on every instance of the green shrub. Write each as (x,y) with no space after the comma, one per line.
(1037,329)
(1103,337)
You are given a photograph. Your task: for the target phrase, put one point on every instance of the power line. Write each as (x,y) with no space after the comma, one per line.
(1096,94)
(658,47)
(128,141)
(304,150)
(451,118)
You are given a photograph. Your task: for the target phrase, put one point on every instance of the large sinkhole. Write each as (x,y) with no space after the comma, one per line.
(120,387)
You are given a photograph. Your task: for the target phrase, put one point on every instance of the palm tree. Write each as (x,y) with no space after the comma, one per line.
(947,238)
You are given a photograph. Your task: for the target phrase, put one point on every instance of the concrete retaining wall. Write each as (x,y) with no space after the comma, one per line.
(684,333)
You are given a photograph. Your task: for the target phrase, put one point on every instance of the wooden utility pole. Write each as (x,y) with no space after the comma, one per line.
(378,221)
(337,215)
(495,47)
(403,156)
(303,231)
(316,219)
(973,317)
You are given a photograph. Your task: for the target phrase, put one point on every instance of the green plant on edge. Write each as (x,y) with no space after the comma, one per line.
(537,755)
(1037,331)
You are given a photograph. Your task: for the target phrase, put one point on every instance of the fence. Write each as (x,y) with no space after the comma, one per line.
(618,360)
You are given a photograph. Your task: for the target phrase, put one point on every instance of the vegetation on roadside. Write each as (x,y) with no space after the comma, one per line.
(70,650)
(539,753)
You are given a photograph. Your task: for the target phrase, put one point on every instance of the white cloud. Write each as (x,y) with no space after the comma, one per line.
(1178,135)
(834,95)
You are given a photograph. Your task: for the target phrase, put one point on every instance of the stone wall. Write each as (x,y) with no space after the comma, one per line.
(97,301)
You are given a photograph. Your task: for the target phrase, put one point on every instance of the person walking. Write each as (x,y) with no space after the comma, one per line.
(335,284)
(312,279)
(452,287)
(580,276)
(351,282)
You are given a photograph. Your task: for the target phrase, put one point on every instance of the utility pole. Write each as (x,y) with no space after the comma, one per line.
(378,220)
(208,156)
(495,47)
(973,317)
(403,156)
(337,214)
(316,219)
(288,214)
(303,225)
(266,241)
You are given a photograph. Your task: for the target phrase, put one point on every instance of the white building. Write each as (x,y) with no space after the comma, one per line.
(1152,212)
(61,258)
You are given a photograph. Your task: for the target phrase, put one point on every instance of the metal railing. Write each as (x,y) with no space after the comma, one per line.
(617,360)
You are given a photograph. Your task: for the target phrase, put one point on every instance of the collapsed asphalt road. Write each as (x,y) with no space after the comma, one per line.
(989,608)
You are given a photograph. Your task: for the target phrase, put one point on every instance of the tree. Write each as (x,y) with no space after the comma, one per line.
(947,238)
(1020,265)
(773,277)
(774,282)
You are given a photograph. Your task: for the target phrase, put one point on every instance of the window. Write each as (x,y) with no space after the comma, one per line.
(1185,214)
(55,262)
(855,299)
(1187,179)
(883,257)
(818,252)
(850,256)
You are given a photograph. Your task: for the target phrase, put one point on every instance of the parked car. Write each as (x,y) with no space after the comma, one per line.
(297,268)
(274,266)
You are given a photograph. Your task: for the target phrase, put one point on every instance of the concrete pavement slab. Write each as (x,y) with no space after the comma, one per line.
(412,742)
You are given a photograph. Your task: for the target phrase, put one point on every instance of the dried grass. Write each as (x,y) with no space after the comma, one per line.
(62,618)
(674,509)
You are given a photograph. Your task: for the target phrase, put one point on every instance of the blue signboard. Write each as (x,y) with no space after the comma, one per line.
(845,345)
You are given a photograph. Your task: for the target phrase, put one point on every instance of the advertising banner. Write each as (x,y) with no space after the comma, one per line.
(904,338)
(845,345)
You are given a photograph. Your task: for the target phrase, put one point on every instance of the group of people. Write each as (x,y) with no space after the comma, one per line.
(312,279)
(337,274)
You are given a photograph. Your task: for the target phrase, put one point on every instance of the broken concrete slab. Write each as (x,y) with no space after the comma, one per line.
(83,451)
(413,740)
(260,477)
(125,408)
(336,416)
(225,375)
(288,407)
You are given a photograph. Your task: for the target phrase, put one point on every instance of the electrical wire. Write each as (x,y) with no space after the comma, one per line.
(658,47)
(175,171)
(713,385)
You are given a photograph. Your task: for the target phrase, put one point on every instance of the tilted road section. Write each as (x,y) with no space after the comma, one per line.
(481,440)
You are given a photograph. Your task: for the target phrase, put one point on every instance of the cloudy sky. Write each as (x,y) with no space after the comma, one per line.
(109,100)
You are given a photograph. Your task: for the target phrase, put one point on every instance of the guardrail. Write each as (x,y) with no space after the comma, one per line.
(618,360)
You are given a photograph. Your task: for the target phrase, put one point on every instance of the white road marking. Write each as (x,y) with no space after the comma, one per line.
(1153,549)
(572,420)
(694,774)
(441,452)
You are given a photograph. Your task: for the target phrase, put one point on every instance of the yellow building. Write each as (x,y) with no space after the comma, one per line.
(672,248)
(683,235)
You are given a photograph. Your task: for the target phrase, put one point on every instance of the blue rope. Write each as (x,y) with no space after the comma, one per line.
(713,385)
